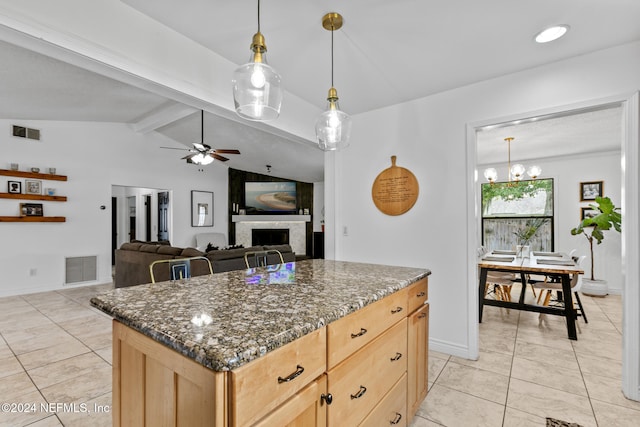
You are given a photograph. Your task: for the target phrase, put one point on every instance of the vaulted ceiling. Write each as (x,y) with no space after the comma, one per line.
(388,52)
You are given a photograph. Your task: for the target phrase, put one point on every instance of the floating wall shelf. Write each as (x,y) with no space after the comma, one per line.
(33,175)
(32,219)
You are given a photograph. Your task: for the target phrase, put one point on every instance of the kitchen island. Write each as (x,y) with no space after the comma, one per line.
(271,345)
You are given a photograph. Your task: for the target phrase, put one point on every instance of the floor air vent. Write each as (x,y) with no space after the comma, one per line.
(81,269)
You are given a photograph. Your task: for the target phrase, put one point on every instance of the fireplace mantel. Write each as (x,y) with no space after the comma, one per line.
(271,218)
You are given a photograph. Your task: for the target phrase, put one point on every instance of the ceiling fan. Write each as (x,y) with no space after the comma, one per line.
(201,153)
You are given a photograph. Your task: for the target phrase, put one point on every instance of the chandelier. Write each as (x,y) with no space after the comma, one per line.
(516,172)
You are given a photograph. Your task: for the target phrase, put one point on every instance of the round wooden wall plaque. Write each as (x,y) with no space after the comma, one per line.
(395,190)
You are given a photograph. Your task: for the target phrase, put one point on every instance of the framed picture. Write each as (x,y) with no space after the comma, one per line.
(31,209)
(14,187)
(201,208)
(32,186)
(588,212)
(591,190)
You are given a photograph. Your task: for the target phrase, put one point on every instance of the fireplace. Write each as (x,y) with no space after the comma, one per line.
(269,236)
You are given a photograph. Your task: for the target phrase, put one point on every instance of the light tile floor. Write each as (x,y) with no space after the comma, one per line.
(55,368)
(528,371)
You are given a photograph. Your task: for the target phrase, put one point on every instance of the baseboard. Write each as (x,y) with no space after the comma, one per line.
(450,348)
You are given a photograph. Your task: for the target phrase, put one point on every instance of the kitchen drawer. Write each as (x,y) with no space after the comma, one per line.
(418,294)
(345,336)
(261,385)
(361,381)
(392,410)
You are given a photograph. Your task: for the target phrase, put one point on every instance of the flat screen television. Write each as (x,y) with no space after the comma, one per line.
(270,197)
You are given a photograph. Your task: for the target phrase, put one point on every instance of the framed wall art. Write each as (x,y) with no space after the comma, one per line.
(31,209)
(32,186)
(201,208)
(14,187)
(591,190)
(588,212)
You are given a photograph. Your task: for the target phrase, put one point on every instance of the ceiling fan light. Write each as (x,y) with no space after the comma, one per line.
(198,159)
(552,33)
(206,160)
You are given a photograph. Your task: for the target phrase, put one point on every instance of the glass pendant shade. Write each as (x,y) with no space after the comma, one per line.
(333,127)
(534,171)
(491,175)
(257,89)
(517,171)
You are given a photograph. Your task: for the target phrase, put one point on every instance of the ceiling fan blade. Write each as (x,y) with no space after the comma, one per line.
(222,159)
(226,151)
(189,157)
(199,146)
(174,148)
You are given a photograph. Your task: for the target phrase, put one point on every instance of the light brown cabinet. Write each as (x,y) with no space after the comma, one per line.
(368,366)
(305,409)
(418,360)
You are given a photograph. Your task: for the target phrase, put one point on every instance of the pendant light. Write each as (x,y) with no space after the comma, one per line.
(333,127)
(257,93)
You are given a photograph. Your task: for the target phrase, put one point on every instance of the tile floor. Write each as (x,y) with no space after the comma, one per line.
(528,371)
(55,353)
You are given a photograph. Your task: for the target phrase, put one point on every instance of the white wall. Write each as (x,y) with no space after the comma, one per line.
(428,136)
(568,173)
(94,156)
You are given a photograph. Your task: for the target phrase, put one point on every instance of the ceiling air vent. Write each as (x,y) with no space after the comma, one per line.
(24,132)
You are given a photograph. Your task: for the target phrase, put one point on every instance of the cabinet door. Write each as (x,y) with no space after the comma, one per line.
(305,409)
(418,359)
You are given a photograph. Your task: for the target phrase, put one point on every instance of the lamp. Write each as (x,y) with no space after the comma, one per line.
(333,127)
(257,93)
(516,171)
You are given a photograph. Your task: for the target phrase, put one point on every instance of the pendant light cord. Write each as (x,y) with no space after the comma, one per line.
(332,54)
(258,15)
(202,127)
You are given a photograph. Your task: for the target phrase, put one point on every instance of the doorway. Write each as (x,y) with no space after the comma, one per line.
(140,213)
(630,248)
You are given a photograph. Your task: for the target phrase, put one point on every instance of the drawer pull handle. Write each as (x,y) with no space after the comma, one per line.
(328,398)
(397,419)
(291,377)
(359,334)
(422,315)
(421,294)
(360,393)
(398,356)
(397,310)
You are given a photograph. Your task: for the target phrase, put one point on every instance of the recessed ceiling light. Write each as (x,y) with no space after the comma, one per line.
(552,33)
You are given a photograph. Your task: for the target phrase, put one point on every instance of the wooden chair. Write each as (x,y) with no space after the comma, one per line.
(501,283)
(261,257)
(179,268)
(551,284)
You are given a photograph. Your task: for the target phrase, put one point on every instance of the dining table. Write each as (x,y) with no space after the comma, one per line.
(556,265)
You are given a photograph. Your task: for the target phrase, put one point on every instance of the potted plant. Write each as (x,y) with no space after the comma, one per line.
(526,234)
(592,227)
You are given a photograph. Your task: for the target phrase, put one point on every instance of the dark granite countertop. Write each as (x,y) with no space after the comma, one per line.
(228,319)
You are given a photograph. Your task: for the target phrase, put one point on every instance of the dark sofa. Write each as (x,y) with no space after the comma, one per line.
(133,260)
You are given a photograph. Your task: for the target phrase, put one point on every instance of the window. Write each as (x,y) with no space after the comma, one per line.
(510,207)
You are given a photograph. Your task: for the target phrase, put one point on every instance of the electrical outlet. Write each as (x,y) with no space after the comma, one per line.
(345,231)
